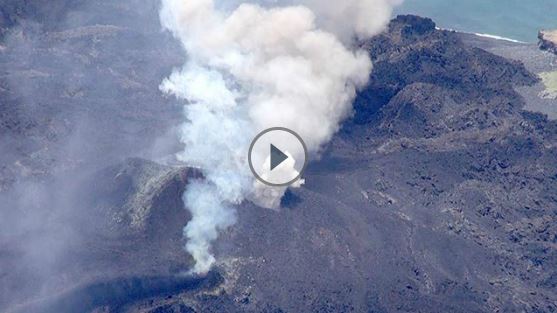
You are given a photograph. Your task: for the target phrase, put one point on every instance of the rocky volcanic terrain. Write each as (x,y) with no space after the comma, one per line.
(439,195)
(548,40)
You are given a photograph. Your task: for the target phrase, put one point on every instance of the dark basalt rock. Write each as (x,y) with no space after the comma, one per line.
(411,26)
(548,40)
(434,57)
(115,294)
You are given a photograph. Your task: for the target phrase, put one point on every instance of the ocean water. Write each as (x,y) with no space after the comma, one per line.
(516,19)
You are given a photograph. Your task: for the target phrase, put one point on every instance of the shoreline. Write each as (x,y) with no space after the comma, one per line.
(499,38)
(483,35)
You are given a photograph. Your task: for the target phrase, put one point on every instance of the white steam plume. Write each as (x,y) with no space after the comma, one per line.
(349,18)
(255,68)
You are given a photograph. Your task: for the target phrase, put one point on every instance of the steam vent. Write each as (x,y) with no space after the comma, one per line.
(548,40)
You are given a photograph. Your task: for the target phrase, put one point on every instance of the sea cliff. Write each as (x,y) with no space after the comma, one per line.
(548,40)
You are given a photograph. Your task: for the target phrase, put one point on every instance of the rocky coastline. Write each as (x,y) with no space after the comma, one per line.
(548,40)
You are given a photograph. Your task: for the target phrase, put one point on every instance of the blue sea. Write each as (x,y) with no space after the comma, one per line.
(516,19)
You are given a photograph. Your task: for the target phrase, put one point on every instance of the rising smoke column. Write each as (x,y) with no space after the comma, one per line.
(255,68)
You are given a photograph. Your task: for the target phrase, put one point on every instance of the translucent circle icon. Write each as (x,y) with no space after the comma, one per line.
(278,156)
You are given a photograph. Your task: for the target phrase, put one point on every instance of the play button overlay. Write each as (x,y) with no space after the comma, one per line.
(277,157)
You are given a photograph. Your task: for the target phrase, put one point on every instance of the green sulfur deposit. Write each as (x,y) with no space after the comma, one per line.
(550,81)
